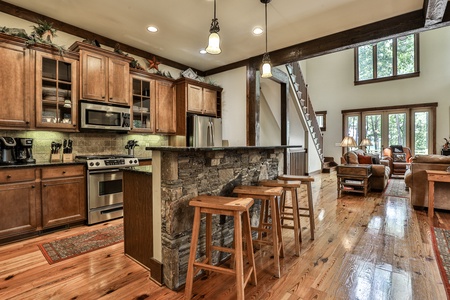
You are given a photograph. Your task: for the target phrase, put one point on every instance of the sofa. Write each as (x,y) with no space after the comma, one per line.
(380,168)
(416,180)
(399,158)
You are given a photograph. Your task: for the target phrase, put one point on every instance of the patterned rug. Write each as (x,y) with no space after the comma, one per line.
(441,238)
(396,188)
(72,246)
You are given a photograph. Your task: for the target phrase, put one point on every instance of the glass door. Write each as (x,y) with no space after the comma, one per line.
(142,91)
(373,132)
(397,129)
(55,91)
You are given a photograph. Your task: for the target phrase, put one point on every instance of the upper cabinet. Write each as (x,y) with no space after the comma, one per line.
(104,75)
(197,98)
(153,103)
(15,80)
(56,91)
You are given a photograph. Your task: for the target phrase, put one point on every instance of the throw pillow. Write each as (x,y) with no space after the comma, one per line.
(363,159)
(400,157)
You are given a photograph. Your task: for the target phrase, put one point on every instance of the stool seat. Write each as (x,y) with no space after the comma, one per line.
(306,180)
(238,208)
(281,183)
(269,197)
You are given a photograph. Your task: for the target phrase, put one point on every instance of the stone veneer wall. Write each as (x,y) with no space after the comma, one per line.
(185,175)
(88,143)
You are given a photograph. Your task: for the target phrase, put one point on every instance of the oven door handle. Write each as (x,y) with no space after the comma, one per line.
(104,171)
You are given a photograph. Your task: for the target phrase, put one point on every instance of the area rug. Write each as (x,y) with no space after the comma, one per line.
(441,238)
(396,188)
(72,246)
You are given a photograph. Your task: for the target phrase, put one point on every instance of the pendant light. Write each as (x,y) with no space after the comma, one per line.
(214,38)
(266,69)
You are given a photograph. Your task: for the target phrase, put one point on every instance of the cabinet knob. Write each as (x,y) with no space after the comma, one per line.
(103,97)
(111,98)
(64,172)
(74,125)
(27,122)
(45,185)
(32,186)
(8,176)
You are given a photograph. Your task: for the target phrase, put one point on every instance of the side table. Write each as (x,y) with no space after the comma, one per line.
(434,176)
(353,178)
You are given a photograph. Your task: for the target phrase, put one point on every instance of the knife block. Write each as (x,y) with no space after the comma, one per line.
(55,158)
(67,157)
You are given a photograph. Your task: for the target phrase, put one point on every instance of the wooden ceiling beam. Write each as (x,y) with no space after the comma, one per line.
(434,10)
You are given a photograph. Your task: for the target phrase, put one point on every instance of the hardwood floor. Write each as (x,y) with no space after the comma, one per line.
(365,248)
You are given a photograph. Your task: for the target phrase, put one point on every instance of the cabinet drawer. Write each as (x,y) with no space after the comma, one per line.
(17,175)
(360,170)
(62,171)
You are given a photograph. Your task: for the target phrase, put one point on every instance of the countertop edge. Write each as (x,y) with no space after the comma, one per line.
(193,149)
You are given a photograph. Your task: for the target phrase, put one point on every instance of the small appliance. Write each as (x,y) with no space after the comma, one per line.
(7,150)
(204,131)
(24,151)
(100,116)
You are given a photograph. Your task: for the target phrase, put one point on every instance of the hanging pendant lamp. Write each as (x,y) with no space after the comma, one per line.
(266,69)
(214,38)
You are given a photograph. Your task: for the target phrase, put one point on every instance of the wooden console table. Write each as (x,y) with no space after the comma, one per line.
(353,178)
(434,176)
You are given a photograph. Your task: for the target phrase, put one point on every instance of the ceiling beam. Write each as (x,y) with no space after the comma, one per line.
(433,11)
(408,23)
(85,34)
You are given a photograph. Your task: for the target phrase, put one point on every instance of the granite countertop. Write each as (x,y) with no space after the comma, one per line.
(190,149)
(147,170)
(42,164)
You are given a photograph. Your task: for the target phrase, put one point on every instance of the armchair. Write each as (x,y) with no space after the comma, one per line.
(399,158)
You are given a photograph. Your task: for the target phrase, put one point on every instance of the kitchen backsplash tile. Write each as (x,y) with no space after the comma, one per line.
(88,143)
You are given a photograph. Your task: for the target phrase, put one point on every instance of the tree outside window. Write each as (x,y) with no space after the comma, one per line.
(386,60)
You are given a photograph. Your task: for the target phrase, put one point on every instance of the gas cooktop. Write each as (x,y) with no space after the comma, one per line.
(108,161)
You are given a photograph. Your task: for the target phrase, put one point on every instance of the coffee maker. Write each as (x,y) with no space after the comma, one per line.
(7,153)
(24,151)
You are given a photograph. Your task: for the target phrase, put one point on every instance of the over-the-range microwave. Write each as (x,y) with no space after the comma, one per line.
(101,116)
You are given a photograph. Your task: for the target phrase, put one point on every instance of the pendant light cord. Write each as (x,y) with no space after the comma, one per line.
(265,6)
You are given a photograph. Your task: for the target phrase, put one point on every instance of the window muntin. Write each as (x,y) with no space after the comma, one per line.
(389,59)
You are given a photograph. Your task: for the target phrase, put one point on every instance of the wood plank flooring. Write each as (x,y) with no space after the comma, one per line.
(365,248)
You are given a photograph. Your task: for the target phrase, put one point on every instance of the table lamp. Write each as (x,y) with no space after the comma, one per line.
(364,143)
(348,141)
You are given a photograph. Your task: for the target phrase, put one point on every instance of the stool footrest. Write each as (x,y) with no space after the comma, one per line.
(223,249)
(214,268)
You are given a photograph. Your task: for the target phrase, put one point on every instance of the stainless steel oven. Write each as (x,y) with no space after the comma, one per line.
(105,186)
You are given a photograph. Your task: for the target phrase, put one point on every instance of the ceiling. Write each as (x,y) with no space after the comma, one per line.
(184,24)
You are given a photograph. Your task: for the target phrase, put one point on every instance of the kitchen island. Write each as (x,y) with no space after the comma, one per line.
(180,173)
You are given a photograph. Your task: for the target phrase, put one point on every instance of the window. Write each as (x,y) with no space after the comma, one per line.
(386,60)
(321,117)
(410,126)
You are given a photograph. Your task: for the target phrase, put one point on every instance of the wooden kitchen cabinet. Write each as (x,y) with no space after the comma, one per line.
(18,202)
(165,119)
(15,82)
(153,103)
(104,75)
(56,91)
(63,192)
(197,98)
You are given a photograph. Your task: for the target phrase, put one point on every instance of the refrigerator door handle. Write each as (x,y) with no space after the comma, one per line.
(212,133)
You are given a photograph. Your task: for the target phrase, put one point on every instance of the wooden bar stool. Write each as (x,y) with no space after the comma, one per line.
(228,206)
(268,195)
(307,181)
(288,186)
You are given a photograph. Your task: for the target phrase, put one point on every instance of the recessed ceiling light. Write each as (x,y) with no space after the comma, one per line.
(257,31)
(152,29)
(202,51)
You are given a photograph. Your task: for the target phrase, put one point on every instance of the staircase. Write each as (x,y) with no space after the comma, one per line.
(299,90)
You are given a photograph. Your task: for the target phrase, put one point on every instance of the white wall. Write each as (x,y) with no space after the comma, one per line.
(234,105)
(270,113)
(331,88)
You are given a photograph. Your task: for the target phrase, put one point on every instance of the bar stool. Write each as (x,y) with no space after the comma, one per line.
(237,208)
(288,186)
(268,195)
(307,181)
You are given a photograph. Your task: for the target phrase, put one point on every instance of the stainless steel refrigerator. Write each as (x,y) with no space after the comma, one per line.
(204,131)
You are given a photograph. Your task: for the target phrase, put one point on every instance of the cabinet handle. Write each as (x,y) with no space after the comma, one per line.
(8,176)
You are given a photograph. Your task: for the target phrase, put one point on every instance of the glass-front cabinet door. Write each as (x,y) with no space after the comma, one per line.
(56,87)
(143,90)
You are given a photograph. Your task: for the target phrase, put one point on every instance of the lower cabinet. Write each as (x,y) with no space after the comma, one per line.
(18,213)
(36,198)
(63,201)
